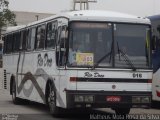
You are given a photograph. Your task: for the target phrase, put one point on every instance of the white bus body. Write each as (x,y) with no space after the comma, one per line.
(119,82)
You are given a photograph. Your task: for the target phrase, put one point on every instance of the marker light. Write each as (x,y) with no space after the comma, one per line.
(73,79)
(149,81)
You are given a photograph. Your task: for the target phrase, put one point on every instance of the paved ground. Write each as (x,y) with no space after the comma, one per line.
(32,111)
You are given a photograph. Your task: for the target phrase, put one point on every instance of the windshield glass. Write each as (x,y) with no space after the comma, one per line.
(133,42)
(88,42)
(95,44)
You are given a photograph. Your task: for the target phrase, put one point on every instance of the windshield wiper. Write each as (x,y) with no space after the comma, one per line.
(100,60)
(105,56)
(126,59)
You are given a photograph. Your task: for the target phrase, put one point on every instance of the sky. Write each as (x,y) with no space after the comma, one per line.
(135,7)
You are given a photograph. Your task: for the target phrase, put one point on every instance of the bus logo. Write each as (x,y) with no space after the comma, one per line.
(95,75)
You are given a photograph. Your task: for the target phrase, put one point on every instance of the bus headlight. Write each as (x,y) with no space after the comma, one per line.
(140,99)
(89,98)
(136,99)
(145,100)
(78,98)
(84,98)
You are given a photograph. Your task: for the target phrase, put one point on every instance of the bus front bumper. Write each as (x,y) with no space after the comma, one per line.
(108,99)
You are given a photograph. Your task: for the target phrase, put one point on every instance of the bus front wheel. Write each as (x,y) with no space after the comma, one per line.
(51,99)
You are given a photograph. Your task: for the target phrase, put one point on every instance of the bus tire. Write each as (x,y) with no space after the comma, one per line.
(51,100)
(122,111)
(14,94)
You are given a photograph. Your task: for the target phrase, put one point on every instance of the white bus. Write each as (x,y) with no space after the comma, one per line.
(155,21)
(81,59)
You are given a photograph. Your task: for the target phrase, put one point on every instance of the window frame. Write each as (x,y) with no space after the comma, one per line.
(23,36)
(36,40)
(55,22)
(31,39)
(10,46)
(59,49)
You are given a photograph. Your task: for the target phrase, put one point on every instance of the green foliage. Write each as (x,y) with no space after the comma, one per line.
(3,4)
(7,17)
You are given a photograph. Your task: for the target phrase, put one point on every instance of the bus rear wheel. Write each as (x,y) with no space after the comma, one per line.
(122,111)
(51,99)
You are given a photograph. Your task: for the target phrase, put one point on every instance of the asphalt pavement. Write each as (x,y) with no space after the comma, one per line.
(35,111)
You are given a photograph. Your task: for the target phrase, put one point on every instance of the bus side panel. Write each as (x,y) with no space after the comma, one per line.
(124,81)
(26,66)
(10,66)
(36,69)
(156,75)
(66,84)
(156,86)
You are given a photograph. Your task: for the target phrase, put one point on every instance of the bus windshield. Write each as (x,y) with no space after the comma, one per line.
(98,44)
(132,44)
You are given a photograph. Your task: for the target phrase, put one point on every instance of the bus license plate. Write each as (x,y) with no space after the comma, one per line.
(113,98)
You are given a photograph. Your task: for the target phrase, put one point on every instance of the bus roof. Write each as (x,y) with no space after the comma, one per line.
(93,15)
(108,16)
(98,15)
(14,28)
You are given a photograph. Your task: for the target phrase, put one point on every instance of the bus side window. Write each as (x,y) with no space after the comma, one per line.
(64,34)
(51,34)
(16,40)
(4,45)
(23,40)
(58,45)
(31,38)
(9,43)
(40,36)
(62,46)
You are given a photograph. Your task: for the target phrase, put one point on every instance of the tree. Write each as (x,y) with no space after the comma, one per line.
(7,17)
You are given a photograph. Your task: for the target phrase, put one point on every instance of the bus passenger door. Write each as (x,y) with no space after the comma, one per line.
(61,61)
(61,47)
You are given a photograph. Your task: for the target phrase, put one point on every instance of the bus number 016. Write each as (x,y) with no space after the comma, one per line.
(137,75)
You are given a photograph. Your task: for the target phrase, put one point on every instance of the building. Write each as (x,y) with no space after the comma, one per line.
(23,18)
